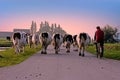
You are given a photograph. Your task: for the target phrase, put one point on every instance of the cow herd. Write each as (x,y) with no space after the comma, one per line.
(20,39)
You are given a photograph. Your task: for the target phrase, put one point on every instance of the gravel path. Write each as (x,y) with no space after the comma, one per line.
(64,66)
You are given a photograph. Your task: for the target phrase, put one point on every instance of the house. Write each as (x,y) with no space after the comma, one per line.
(22,30)
(5,34)
(9,34)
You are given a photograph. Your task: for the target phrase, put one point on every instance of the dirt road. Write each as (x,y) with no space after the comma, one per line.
(64,66)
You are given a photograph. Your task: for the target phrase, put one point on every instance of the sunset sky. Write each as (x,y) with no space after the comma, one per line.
(74,16)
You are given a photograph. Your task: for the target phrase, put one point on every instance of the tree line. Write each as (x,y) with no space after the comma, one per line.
(111,34)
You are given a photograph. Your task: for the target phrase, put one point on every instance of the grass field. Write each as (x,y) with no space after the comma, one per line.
(111,51)
(10,58)
(5,43)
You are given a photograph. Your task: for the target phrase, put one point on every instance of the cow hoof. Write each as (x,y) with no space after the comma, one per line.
(45,52)
(101,56)
(79,54)
(1,56)
(68,51)
(56,52)
(97,55)
(42,52)
(75,50)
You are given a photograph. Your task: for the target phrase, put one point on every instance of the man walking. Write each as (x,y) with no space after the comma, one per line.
(99,38)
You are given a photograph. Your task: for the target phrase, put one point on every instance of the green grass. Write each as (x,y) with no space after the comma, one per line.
(10,58)
(111,51)
(5,43)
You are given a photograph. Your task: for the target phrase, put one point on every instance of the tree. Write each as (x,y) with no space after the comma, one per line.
(54,28)
(109,32)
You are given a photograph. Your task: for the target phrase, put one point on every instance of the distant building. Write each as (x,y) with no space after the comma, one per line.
(44,27)
(5,34)
(22,30)
(9,34)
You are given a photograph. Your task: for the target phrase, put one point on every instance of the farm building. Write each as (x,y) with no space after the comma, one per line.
(9,34)
(5,34)
(22,30)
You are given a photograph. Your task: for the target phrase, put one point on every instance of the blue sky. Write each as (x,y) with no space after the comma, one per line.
(63,6)
(100,12)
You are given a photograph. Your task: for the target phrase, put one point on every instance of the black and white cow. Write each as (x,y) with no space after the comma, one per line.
(68,41)
(45,40)
(35,40)
(64,40)
(57,42)
(29,40)
(75,42)
(19,41)
(84,40)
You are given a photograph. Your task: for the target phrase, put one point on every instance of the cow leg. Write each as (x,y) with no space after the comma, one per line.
(76,46)
(56,48)
(68,47)
(17,49)
(80,47)
(56,52)
(80,51)
(30,44)
(83,48)
(45,50)
(33,45)
(83,53)
(68,50)
(36,44)
(23,49)
(44,47)
(42,50)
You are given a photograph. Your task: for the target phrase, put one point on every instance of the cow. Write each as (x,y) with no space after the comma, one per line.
(29,40)
(35,40)
(57,42)
(45,40)
(68,40)
(64,39)
(19,41)
(75,42)
(84,40)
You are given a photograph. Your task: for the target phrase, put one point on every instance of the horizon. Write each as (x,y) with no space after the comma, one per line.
(74,16)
